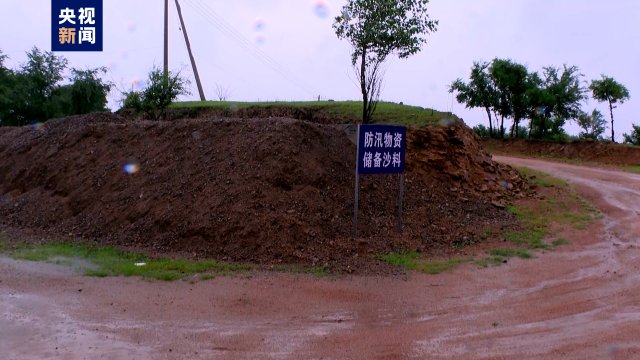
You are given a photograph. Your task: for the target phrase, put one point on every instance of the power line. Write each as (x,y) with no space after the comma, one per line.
(240,40)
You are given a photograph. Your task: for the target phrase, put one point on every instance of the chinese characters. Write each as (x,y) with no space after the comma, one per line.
(76,26)
(390,157)
(86,16)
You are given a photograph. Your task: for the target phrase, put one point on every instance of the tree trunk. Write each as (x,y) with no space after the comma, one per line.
(514,129)
(502,128)
(363,87)
(490,122)
(613,133)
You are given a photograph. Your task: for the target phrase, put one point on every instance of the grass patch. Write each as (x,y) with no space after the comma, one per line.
(412,261)
(406,260)
(559,242)
(490,261)
(506,253)
(107,261)
(319,271)
(349,111)
(632,169)
(563,207)
(439,266)
(541,179)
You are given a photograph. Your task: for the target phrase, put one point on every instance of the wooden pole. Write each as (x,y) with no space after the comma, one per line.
(193,60)
(166,39)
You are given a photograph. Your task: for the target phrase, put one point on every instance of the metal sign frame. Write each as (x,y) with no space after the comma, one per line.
(387,145)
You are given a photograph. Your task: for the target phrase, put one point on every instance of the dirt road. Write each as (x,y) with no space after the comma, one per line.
(579,302)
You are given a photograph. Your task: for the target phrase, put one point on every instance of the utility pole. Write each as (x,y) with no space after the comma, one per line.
(193,60)
(166,39)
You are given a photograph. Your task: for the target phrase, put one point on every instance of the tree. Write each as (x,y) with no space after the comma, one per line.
(88,91)
(634,137)
(554,99)
(593,125)
(510,80)
(611,91)
(223,93)
(6,86)
(160,92)
(479,92)
(34,88)
(377,29)
(482,131)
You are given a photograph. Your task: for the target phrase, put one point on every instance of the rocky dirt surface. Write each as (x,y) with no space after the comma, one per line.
(585,151)
(577,302)
(266,191)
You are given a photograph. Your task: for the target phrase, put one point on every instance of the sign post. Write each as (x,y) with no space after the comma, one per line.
(381,150)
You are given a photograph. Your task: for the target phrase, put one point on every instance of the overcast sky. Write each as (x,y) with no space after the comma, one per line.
(287,50)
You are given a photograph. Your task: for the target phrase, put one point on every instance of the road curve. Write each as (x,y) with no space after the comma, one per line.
(579,302)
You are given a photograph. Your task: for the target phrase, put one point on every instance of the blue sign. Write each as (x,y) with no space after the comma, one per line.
(76,25)
(381,149)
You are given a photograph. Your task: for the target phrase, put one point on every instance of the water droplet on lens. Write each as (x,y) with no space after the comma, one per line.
(259,24)
(131,168)
(321,8)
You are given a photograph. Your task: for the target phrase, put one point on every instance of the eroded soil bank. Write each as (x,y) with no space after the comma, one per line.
(578,302)
(266,191)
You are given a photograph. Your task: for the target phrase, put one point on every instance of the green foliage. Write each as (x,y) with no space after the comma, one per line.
(132,101)
(88,91)
(377,29)
(6,84)
(593,125)
(479,92)
(106,261)
(482,131)
(33,93)
(609,90)
(634,137)
(160,92)
(554,99)
(510,79)
(507,89)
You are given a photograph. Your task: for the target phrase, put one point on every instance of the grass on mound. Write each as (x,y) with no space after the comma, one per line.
(108,261)
(537,221)
(413,261)
(386,112)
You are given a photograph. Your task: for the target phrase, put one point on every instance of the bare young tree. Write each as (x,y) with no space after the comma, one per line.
(222,92)
(371,79)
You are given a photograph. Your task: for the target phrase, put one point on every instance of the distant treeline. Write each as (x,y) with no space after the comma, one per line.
(547,99)
(38,90)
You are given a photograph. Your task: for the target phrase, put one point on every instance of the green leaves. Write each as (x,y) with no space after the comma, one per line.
(384,27)
(608,89)
(611,91)
(508,89)
(634,137)
(160,92)
(593,125)
(33,92)
(377,29)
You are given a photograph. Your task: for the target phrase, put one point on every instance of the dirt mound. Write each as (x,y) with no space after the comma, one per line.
(589,151)
(261,190)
